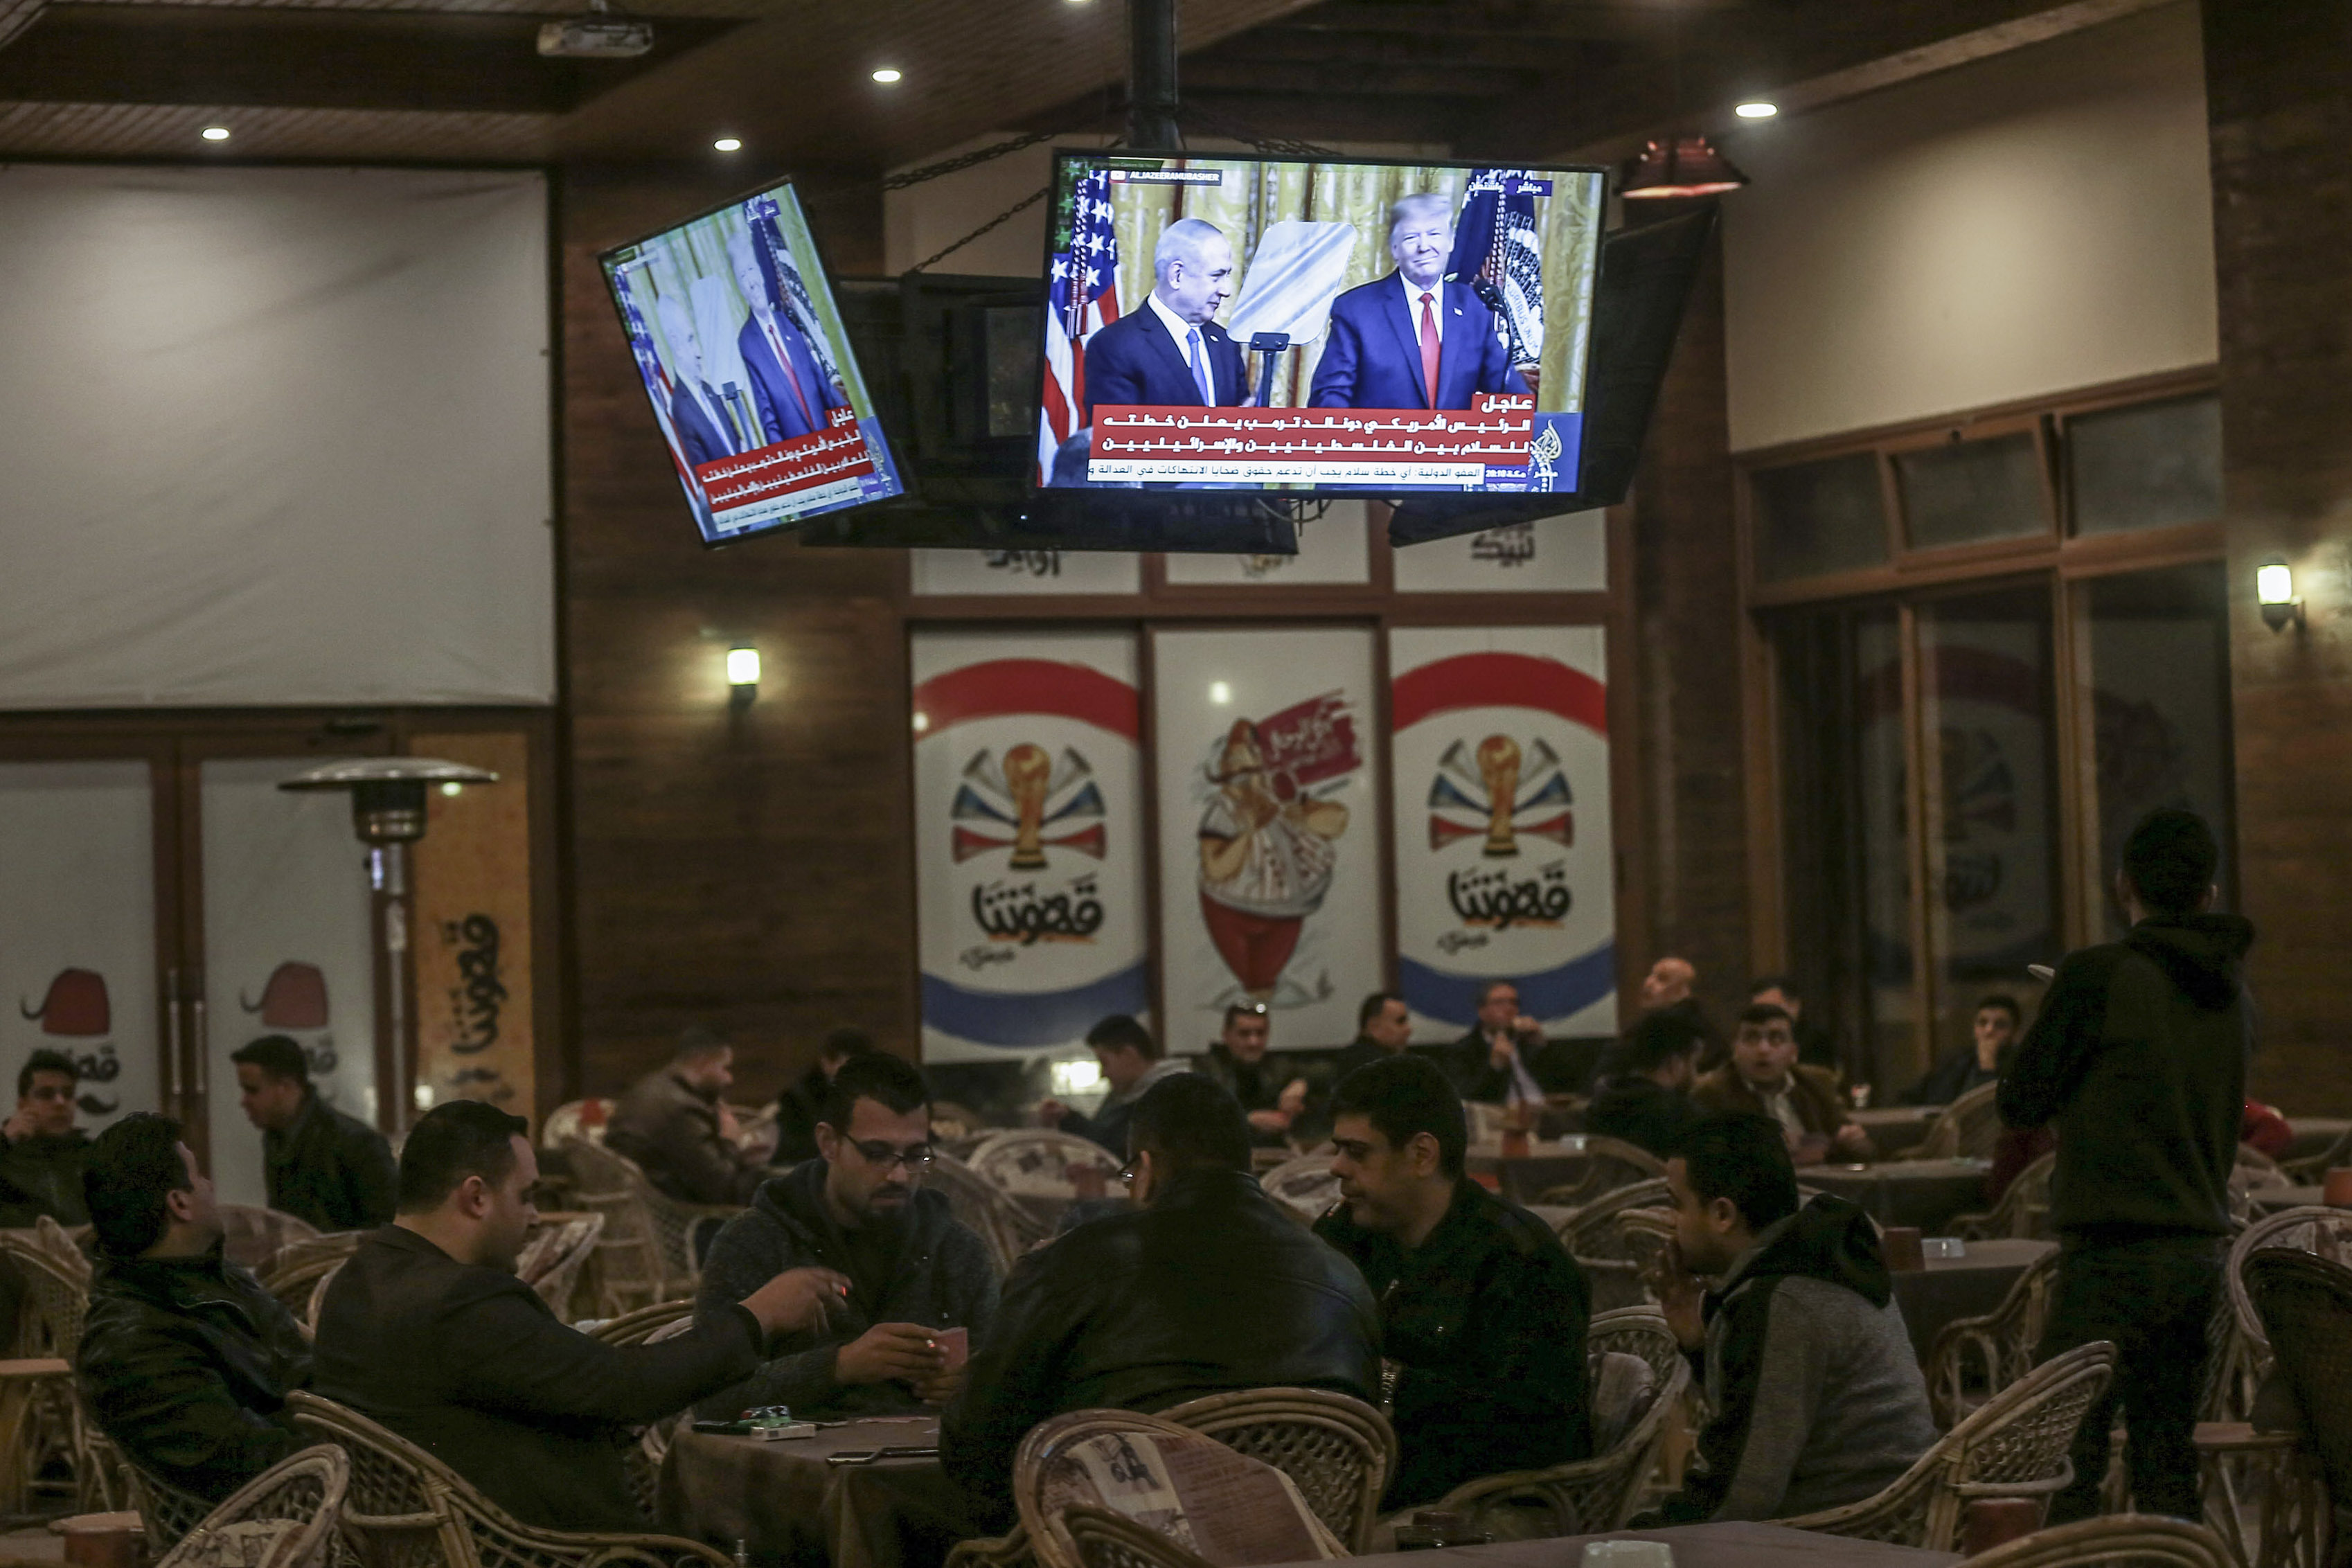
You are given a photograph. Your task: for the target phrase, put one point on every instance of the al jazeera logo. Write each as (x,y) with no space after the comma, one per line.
(1038,812)
(1496,794)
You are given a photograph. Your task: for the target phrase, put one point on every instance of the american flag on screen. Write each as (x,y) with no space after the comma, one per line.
(1085,301)
(649,364)
(1496,248)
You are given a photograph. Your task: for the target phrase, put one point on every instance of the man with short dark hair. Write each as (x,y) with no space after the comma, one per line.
(674,1124)
(1645,1097)
(427,1331)
(1271,1088)
(1494,1063)
(1478,1301)
(1207,1286)
(1816,1396)
(185,1360)
(859,1209)
(1992,1038)
(333,1170)
(2138,1060)
(1384,1029)
(801,1105)
(1763,1078)
(41,1150)
(1814,1047)
(1132,1065)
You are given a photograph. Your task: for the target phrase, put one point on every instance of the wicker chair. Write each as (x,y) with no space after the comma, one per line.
(2304,1302)
(1304,1185)
(2015,1446)
(294,1274)
(2312,1169)
(1639,1378)
(1048,1482)
(1609,1163)
(1036,1162)
(254,1235)
(646,1251)
(2023,1213)
(2129,1541)
(408,1509)
(49,1416)
(554,1255)
(1008,1230)
(285,1516)
(1972,1359)
(574,1118)
(165,1512)
(1339,1451)
(1612,1261)
(1967,1129)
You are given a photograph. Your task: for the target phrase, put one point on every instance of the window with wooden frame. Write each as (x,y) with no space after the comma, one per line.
(1977,651)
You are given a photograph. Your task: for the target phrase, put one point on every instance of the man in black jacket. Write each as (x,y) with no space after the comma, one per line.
(2140,1059)
(674,1124)
(1384,1029)
(1208,1287)
(427,1331)
(184,1360)
(1479,1302)
(323,1166)
(1271,1088)
(41,1150)
(1495,1062)
(1645,1097)
(1992,1041)
(859,1210)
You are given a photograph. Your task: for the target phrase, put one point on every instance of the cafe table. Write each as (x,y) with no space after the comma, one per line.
(2271,1200)
(1693,1546)
(1946,1289)
(1927,1193)
(1895,1128)
(2314,1135)
(785,1501)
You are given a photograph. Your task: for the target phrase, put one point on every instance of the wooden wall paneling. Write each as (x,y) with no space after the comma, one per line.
(1147,778)
(1628,805)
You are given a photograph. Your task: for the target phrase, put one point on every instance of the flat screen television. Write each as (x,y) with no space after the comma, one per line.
(748,366)
(1320,325)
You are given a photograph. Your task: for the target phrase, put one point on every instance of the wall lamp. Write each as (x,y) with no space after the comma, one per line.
(743,675)
(2275,588)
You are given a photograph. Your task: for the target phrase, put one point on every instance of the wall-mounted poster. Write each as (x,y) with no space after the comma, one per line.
(1269,832)
(1335,547)
(935,572)
(1564,555)
(1505,867)
(1029,839)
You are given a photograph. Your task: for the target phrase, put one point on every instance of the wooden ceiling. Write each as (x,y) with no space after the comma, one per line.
(458,80)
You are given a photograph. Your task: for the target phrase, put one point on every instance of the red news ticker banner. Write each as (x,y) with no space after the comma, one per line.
(1148,441)
(820,458)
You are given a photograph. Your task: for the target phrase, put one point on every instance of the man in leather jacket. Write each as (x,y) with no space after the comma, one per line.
(333,1170)
(184,1359)
(41,1150)
(1207,1286)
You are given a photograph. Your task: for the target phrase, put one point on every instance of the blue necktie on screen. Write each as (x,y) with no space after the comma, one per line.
(1199,368)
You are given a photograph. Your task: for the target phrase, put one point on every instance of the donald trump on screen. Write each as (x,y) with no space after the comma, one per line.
(1413,340)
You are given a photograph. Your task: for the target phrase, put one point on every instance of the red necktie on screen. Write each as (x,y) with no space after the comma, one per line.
(1428,348)
(776,342)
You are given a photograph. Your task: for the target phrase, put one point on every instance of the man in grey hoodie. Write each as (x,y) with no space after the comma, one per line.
(2138,1060)
(1816,1390)
(859,1208)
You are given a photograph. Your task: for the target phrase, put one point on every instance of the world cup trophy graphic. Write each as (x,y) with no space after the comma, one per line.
(1028,770)
(1498,766)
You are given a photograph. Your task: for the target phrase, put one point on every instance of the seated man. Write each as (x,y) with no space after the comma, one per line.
(185,1360)
(857,1209)
(1763,1079)
(323,1166)
(1131,1065)
(427,1331)
(674,1123)
(1208,1285)
(1272,1091)
(1495,1062)
(1817,1394)
(801,1105)
(1645,1097)
(41,1150)
(1994,1032)
(1384,1029)
(1814,1047)
(1478,1302)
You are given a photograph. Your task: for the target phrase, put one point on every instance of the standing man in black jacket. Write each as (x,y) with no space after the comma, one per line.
(427,1331)
(2140,1059)
(185,1359)
(1479,1303)
(333,1170)
(1208,1287)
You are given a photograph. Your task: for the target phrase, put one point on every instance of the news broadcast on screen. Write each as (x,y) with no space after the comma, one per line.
(748,369)
(1339,324)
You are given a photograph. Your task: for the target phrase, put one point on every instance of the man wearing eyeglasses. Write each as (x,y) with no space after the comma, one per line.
(41,1150)
(919,1282)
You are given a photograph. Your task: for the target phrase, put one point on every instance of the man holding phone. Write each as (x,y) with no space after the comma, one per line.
(921,1283)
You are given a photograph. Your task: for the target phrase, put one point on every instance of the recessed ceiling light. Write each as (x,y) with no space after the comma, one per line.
(1756,109)
(727,144)
(886,75)
(215,132)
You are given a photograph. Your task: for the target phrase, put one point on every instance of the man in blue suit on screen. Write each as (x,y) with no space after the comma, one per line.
(1170,353)
(1390,339)
(696,410)
(788,388)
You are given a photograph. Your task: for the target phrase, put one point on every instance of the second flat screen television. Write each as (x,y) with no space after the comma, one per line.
(1242,323)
